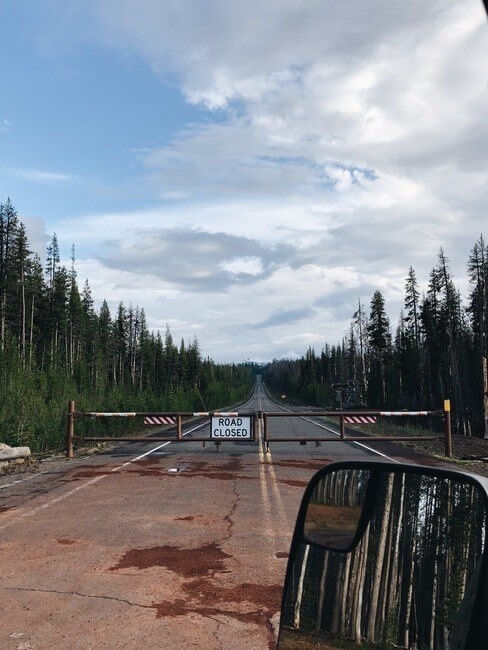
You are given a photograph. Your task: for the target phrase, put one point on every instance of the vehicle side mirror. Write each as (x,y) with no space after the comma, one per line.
(391,554)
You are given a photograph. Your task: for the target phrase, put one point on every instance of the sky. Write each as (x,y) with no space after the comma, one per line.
(245,170)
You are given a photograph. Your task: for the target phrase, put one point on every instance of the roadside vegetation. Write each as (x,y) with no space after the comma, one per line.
(437,351)
(55,346)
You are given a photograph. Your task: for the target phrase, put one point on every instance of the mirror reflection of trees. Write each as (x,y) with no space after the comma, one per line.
(404,583)
(335,507)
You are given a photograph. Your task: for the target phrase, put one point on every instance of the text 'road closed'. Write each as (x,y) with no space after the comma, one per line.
(231,428)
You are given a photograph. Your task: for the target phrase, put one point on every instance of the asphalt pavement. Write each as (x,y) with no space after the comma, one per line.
(160,545)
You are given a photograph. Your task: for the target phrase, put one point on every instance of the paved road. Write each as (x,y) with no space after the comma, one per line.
(158,545)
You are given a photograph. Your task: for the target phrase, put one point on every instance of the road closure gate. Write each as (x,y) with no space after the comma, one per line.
(234,426)
(222,425)
(357,418)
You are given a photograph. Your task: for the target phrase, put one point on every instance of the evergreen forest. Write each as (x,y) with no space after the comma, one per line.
(55,346)
(437,351)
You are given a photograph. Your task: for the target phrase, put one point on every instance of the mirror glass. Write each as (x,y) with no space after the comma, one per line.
(335,507)
(411,577)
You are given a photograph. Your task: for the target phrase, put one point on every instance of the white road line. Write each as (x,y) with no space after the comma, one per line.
(23,480)
(97,478)
(3,487)
(91,481)
(352,442)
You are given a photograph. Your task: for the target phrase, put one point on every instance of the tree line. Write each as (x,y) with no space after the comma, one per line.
(438,350)
(55,346)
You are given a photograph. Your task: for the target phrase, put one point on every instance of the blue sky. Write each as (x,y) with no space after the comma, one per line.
(81,115)
(245,170)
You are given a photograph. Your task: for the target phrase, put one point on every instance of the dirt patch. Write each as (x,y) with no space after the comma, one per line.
(66,542)
(189,518)
(85,474)
(168,608)
(263,596)
(282,554)
(5,508)
(226,472)
(293,483)
(181,608)
(212,600)
(189,562)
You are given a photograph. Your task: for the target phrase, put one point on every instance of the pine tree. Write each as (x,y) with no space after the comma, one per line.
(410,342)
(361,325)
(8,232)
(380,346)
(478,311)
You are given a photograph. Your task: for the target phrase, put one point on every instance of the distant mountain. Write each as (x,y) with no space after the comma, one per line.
(292,356)
(260,361)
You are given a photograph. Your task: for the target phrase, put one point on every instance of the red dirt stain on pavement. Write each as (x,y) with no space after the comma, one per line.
(209,599)
(293,483)
(66,542)
(228,471)
(189,562)
(207,591)
(189,518)
(225,472)
(85,474)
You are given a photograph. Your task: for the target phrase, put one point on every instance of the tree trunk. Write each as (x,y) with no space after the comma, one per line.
(320,606)
(298,601)
(31,335)
(373,605)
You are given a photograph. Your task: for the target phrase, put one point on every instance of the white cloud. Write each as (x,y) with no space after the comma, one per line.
(352,132)
(36,234)
(42,176)
(246,265)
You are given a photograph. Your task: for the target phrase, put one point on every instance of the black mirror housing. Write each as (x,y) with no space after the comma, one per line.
(343,503)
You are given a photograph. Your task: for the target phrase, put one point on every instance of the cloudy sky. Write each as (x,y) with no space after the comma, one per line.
(245,169)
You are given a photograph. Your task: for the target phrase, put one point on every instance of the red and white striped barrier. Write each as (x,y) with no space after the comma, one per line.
(159,419)
(360,419)
(395,413)
(112,415)
(227,414)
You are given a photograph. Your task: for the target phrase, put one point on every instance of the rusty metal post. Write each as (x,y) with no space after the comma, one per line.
(70,432)
(447,428)
(342,427)
(265,431)
(178,427)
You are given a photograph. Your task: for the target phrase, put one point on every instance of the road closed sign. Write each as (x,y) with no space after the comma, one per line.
(231,427)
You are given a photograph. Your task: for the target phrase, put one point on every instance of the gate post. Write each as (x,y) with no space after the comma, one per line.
(342,428)
(447,428)
(178,427)
(265,431)
(70,432)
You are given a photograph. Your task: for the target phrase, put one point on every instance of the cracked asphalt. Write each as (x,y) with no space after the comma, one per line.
(115,551)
